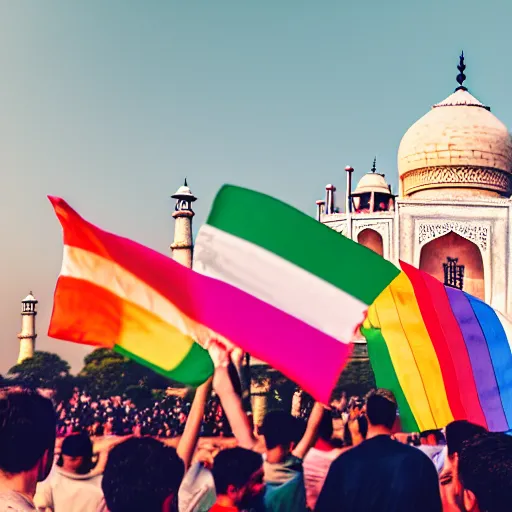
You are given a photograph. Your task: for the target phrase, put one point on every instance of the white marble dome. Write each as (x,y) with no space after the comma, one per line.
(458,148)
(372,182)
(184,192)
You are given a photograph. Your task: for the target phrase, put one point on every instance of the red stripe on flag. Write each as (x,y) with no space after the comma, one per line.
(85,313)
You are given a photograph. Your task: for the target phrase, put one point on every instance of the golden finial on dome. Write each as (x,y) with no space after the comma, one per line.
(374,164)
(461,76)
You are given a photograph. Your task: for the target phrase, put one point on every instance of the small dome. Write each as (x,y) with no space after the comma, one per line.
(372,182)
(29,298)
(184,192)
(458,144)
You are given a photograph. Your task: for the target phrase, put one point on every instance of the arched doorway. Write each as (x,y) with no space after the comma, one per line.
(455,261)
(371,239)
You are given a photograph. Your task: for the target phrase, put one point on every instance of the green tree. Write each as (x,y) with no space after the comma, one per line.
(65,387)
(141,396)
(140,375)
(43,370)
(104,372)
(108,373)
(100,354)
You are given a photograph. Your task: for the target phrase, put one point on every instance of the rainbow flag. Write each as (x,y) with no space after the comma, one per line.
(445,354)
(115,293)
(111,292)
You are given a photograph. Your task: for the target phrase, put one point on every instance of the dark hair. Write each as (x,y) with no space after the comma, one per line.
(381,408)
(141,474)
(78,445)
(234,466)
(325,429)
(485,468)
(280,429)
(27,430)
(459,431)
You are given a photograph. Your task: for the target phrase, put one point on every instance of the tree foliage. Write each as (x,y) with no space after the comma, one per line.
(108,373)
(65,387)
(43,370)
(141,396)
(104,372)
(96,357)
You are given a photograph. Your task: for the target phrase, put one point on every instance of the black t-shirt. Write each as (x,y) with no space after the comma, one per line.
(381,475)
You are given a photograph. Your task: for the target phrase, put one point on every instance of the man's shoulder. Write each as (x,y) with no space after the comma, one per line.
(14,502)
(382,444)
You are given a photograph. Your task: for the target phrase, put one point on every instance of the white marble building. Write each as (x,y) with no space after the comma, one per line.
(453,212)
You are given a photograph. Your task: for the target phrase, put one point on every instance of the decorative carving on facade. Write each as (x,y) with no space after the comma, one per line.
(457,176)
(475,232)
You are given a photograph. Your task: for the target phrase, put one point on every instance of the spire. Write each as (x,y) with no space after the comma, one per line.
(185,184)
(374,168)
(461,76)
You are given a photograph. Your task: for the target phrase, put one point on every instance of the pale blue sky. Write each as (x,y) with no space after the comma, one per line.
(111,104)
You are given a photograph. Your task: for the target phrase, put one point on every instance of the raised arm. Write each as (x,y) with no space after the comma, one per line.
(230,400)
(187,443)
(309,438)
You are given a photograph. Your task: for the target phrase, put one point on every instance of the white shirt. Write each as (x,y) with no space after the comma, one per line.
(197,490)
(67,492)
(436,454)
(12,501)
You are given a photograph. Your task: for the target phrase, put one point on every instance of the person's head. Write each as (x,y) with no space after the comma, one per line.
(457,433)
(238,475)
(142,474)
(76,454)
(485,473)
(432,438)
(460,431)
(381,409)
(28,426)
(280,429)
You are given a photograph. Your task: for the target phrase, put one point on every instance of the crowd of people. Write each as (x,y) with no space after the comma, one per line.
(284,465)
(120,417)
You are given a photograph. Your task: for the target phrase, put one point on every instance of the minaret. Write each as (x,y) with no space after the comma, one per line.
(183,246)
(28,335)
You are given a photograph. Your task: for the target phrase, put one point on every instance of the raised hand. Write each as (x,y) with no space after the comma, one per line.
(219,353)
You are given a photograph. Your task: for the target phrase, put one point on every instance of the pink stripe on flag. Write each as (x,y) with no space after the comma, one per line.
(307,356)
